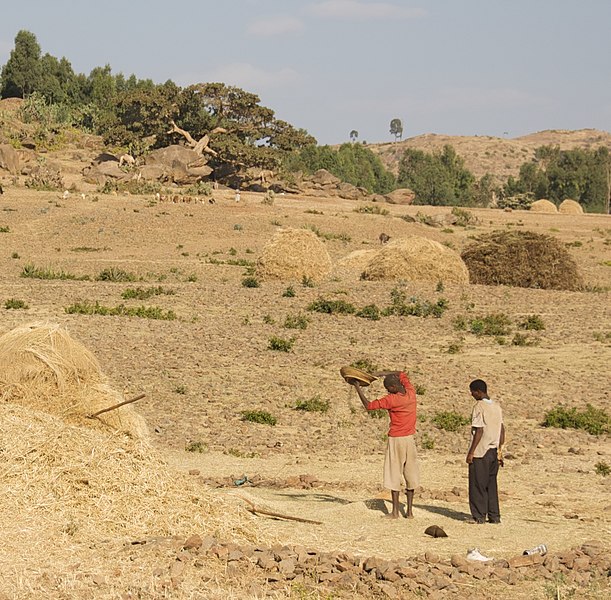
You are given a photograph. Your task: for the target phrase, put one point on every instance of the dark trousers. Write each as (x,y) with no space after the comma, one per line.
(483,491)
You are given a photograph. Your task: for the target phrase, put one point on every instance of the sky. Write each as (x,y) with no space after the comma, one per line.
(501,68)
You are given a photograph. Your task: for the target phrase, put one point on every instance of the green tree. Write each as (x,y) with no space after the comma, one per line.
(22,72)
(396,128)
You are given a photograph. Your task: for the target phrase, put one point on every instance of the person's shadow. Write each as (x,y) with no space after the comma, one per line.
(444,512)
(380,505)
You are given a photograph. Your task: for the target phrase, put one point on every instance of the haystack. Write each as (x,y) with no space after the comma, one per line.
(416,259)
(522,259)
(570,207)
(44,368)
(293,254)
(543,206)
(355,262)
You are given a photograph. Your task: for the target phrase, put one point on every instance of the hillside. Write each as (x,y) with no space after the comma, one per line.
(500,157)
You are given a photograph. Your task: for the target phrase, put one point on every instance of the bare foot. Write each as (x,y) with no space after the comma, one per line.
(410,516)
(391,516)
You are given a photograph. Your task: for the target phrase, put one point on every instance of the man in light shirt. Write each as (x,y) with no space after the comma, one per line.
(488,436)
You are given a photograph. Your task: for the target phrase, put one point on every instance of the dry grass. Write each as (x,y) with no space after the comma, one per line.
(293,254)
(570,207)
(522,259)
(543,206)
(416,259)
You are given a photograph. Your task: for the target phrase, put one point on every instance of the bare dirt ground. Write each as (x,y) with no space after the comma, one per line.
(203,369)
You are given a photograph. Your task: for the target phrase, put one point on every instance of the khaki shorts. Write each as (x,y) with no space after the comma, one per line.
(401,460)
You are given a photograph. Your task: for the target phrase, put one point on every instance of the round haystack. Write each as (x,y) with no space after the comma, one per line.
(45,369)
(416,259)
(543,206)
(522,259)
(570,207)
(293,254)
(355,262)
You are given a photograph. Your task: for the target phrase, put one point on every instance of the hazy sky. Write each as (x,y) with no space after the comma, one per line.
(460,67)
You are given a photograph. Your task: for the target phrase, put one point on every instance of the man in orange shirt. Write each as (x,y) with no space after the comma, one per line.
(401,457)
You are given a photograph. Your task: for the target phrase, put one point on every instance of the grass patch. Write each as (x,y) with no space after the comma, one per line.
(455,348)
(371,311)
(495,325)
(289,292)
(181,389)
(14,304)
(88,249)
(280,344)
(143,312)
(371,209)
(402,306)
(427,442)
(331,307)
(296,321)
(5,229)
(139,293)
(198,447)
(532,323)
(250,282)
(521,339)
(342,237)
(259,416)
(379,413)
(593,420)
(364,364)
(116,275)
(314,404)
(450,420)
(602,468)
(33,272)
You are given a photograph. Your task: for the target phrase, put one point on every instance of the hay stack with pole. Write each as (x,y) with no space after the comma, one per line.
(294,254)
(521,259)
(42,367)
(543,206)
(570,207)
(416,259)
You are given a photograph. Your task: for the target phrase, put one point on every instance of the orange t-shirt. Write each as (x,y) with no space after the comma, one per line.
(401,409)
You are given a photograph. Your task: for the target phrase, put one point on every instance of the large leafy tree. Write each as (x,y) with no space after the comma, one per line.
(22,72)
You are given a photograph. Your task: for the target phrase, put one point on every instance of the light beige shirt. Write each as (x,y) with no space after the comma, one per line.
(488,415)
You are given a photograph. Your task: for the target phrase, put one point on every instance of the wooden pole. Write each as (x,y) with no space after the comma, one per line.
(138,397)
(254,509)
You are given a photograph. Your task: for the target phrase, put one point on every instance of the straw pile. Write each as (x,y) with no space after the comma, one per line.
(543,206)
(570,207)
(355,262)
(293,254)
(416,259)
(43,368)
(522,259)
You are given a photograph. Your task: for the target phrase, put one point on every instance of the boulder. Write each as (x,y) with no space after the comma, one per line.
(9,159)
(323,177)
(183,165)
(400,196)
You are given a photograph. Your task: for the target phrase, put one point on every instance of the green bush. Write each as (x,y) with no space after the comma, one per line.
(521,339)
(364,364)
(199,447)
(33,272)
(5,229)
(371,311)
(427,442)
(495,324)
(593,420)
(116,274)
(14,304)
(296,322)
(143,312)
(314,404)
(379,413)
(259,416)
(250,282)
(371,209)
(450,420)
(331,307)
(602,468)
(532,323)
(140,293)
(279,344)
(401,306)
(289,292)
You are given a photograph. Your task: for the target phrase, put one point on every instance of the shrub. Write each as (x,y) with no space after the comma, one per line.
(463,217)
(14,304)
(593,420)
(364,364)
(279,344)
(450,420)
(143,312)
(314,404)
(371,209)
(5,229)
(520,339)
(259,416)
(495,324)
(33,272)
(332,307)
(200,188)
(420,389)
(427,442)
(250,282)
(401,306)
(269,198)
(379,413)
(296,321)
(180,389)
(116,274)
(454,348)
(289,292)
(371,311)
(602,468)
(307,281)
(140,293)
(196,447)
(532,323)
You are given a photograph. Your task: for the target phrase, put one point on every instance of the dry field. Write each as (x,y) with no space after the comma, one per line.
(201,370)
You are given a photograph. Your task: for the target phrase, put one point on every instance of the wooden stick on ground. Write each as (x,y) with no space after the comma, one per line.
(255,510)
(138,397)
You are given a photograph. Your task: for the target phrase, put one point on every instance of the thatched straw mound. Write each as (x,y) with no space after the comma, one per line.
(44,368)
(355,262)
(543,206)
(293,254)
(522,259)
(416,259)
(570,207)
(72,494)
